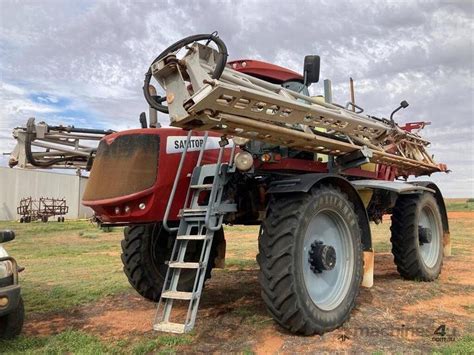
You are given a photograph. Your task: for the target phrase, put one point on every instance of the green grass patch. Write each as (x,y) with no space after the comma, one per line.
(241,264)
(454,205)
(173,340)
(468,307)
(242,229)
(381,237)
(252,316)
(69,341)
(463,346)
(78,342)
(66,264)
(90,235)
(461,231)
(163,343)
(244,311)
(40,228)
(460,250)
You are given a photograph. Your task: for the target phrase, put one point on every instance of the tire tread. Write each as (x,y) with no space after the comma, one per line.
(276,244)
(404,244)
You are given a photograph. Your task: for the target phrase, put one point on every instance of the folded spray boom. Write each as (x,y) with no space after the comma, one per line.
(235,104)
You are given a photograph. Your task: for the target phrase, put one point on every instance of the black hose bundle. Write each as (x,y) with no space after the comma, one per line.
(44,164)
(156,104)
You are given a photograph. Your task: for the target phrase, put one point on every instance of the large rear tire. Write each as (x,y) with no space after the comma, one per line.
(145,250)
(310,257)
(417,237)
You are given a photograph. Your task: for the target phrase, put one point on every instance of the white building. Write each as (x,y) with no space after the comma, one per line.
(16,184)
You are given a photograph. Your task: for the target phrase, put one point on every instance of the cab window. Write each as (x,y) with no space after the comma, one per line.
(296,86)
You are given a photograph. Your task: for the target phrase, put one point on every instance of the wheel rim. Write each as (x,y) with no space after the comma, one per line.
(429,251)
(328,288)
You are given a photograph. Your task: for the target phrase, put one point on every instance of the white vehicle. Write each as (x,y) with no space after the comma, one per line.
(12,311)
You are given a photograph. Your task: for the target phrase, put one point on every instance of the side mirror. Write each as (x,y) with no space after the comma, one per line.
(311,69)
(6,236)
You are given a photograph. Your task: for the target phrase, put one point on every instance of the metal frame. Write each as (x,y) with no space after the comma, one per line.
(54,146)
(398,187)
(44,207)
(241,105)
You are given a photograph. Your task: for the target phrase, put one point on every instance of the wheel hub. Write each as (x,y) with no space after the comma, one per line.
(321,257)
(424,235)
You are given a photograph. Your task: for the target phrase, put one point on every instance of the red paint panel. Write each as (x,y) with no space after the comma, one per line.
(410,126)
(265,70)
(156,198)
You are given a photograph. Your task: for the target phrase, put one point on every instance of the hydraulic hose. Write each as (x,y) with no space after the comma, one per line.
(41,164)
(156,104)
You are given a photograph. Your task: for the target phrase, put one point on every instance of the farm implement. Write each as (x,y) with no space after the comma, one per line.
(42,209)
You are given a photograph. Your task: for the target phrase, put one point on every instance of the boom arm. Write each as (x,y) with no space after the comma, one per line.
(237,104)
(43,146)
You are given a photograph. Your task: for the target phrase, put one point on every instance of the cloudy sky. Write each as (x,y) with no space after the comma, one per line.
(82,62)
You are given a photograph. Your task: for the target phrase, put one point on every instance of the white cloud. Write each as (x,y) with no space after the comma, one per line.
(93,54)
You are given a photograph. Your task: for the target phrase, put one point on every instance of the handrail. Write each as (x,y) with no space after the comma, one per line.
(175,185)
(213,193)
(198,163)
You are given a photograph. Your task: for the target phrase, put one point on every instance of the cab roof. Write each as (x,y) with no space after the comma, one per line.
(265,71)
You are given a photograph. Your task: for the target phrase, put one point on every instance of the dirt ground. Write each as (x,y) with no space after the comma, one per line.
(394,315)
(468,215)
(461,214)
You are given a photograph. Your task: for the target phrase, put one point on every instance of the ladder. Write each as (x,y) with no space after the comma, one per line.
(198,221)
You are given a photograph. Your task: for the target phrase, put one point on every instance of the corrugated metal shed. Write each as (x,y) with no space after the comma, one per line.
(16,184)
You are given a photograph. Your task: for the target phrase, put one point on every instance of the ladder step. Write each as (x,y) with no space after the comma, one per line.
(184,265)
(177,295)
(194,211)
(191,237)
(201,187)
(170,327)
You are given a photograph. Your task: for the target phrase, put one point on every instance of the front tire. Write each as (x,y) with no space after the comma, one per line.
(145,251)
(303,291)
(417,237)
